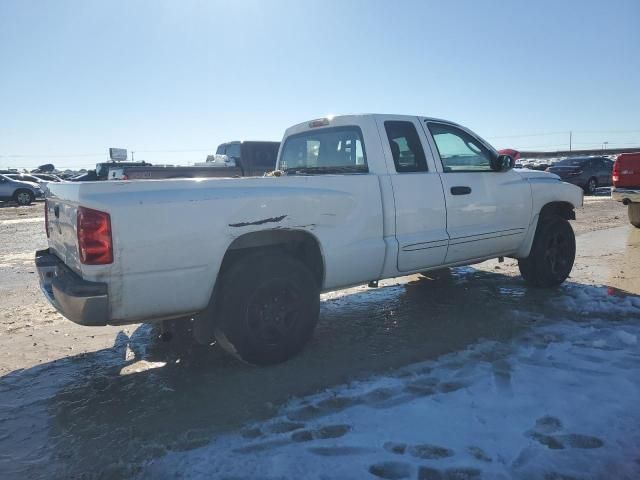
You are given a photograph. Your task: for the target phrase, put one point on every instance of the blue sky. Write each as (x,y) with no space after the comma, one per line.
(156,76)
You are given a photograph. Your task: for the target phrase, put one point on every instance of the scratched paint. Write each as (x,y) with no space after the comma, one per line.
(259,222)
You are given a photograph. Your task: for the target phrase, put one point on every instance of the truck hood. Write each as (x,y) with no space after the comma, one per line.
(536,175)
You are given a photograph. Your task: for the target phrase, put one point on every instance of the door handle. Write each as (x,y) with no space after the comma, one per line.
(460,190)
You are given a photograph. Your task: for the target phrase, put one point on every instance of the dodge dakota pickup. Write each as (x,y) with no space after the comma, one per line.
(354,199)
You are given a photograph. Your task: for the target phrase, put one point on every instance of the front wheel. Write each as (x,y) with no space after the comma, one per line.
(269,305)
(634,214)
(24,197)
(552,254)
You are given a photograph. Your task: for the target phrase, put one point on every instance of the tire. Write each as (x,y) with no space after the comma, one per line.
(552,254)
(633,209)
(267,308)
(591,186)
(23,197)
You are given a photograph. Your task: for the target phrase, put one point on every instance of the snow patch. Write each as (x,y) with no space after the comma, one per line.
(562,401)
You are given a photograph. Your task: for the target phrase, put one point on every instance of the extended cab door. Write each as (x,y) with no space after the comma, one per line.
(488,212)
(417,191)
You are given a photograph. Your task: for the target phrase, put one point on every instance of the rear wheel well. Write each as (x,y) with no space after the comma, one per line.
(296,243)
(561,209)
(20,190)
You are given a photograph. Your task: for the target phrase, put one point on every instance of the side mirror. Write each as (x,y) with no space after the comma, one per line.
(502,163)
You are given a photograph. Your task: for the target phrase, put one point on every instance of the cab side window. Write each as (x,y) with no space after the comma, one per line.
(459,151)
(406,148)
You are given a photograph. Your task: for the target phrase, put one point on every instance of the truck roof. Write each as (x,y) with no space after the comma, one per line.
(355,118)
(241,142)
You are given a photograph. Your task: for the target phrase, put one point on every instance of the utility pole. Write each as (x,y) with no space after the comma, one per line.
(570,135)
(132,154)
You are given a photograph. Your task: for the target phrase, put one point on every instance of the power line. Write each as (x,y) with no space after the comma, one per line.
(532,135)
(526,135)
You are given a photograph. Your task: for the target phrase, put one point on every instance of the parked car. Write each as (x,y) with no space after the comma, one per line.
(47,177)
(24,177)
(589,173)
(354,199)
(540,165)
(626,184)
(22,192)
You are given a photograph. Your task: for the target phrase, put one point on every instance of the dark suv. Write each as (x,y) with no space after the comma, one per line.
(588,173)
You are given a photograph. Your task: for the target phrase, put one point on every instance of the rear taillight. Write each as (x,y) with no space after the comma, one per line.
(94,237)
(46,217)
(615,174)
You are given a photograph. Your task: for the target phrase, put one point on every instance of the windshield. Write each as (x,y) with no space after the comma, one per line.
(330,150)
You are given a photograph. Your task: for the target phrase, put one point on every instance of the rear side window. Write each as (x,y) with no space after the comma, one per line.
(260,155)
(406,148)
(329,150)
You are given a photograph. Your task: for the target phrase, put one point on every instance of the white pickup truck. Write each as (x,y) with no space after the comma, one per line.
(354,199)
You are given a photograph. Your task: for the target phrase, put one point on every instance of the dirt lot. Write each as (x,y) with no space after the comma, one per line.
(78,402)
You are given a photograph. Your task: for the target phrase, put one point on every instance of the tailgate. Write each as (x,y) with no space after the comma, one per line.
(63,239)
(627,171)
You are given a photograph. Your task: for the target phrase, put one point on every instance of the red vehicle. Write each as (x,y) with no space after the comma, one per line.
(626,184)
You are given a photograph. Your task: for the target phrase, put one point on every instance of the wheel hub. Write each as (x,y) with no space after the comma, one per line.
(557,254)
(272,313)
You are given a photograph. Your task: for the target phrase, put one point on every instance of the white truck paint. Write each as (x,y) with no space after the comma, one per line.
(170,236)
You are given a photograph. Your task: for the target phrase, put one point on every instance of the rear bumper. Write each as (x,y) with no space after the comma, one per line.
(626,195)
(82,302)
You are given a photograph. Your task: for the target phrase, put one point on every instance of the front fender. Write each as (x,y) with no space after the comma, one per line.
(546,189)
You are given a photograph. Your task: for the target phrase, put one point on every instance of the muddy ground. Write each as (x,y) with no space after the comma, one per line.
(80,402)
